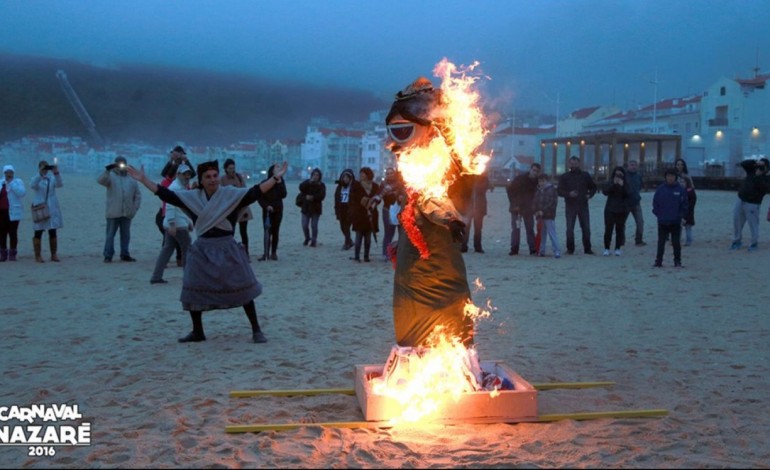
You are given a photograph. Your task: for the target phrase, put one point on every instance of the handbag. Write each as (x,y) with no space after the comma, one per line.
(40,212)
(299,200)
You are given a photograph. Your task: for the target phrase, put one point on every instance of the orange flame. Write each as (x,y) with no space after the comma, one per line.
(422,381)
(425,168)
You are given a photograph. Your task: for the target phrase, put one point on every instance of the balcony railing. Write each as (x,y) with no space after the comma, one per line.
(717,122)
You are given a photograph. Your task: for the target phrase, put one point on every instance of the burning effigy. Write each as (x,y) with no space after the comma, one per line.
(435,134)
(433,372)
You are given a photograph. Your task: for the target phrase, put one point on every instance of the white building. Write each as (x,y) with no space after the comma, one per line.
(735,122)
(332,150)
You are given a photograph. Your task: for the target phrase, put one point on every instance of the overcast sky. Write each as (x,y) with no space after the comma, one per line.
(585,53)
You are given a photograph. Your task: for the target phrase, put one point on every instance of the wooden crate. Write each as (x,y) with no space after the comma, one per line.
(517,405)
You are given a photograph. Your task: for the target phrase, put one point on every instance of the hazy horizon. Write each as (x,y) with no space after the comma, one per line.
(551,56)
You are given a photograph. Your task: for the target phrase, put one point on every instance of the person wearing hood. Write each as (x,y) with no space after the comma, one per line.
(12,191)
(669,204)
(44,185)
(272,215)
(123,201)
(313,192)
(342,205)
(616,208)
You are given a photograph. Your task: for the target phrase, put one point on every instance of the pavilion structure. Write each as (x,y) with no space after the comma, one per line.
(619,146)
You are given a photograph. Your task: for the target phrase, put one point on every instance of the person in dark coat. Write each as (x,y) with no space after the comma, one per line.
(692,198)
(618,194)
(477,210)
(577,187)
(750,195)
(364,199)
(272,215)
(520,192)
(313,192)
(342,205)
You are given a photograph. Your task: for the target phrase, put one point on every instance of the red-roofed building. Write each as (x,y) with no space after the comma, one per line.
(577,120)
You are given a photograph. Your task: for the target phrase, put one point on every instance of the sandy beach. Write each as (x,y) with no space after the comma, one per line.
(693,341)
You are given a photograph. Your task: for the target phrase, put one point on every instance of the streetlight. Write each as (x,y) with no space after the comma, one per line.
(655,100)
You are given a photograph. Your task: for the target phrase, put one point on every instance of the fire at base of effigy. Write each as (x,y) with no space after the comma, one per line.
(443,382)
(408,389)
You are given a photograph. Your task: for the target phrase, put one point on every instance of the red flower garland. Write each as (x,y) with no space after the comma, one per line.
(410,226)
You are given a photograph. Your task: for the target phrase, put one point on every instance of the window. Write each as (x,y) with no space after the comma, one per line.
(722,91)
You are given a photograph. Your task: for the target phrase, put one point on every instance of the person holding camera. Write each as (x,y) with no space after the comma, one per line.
(753,189)
(123,201)
(616,209)
(44,185)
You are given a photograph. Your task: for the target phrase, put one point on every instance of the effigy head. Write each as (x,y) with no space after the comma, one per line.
(415,116)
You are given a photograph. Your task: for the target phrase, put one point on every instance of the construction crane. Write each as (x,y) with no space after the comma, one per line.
(77,105)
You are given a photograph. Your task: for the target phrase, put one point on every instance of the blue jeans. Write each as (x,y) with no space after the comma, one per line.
(745,212)
(312,221)
(549,231)
(182,238)
(124,224)
(529,229)
(581,213)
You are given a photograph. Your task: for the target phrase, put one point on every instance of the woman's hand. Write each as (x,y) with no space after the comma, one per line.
(135,174)
(279,171)
(141,177)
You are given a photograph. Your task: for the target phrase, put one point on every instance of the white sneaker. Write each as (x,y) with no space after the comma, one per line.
(606,253)
(617,252)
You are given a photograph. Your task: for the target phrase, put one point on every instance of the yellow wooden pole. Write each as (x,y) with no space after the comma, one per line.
(571,385)
(602,414)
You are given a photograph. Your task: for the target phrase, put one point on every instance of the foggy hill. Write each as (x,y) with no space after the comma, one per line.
(161,105)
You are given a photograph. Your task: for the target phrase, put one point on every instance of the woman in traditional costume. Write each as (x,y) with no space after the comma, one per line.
(217,274)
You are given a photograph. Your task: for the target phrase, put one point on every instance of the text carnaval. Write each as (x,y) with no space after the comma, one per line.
(41,412)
